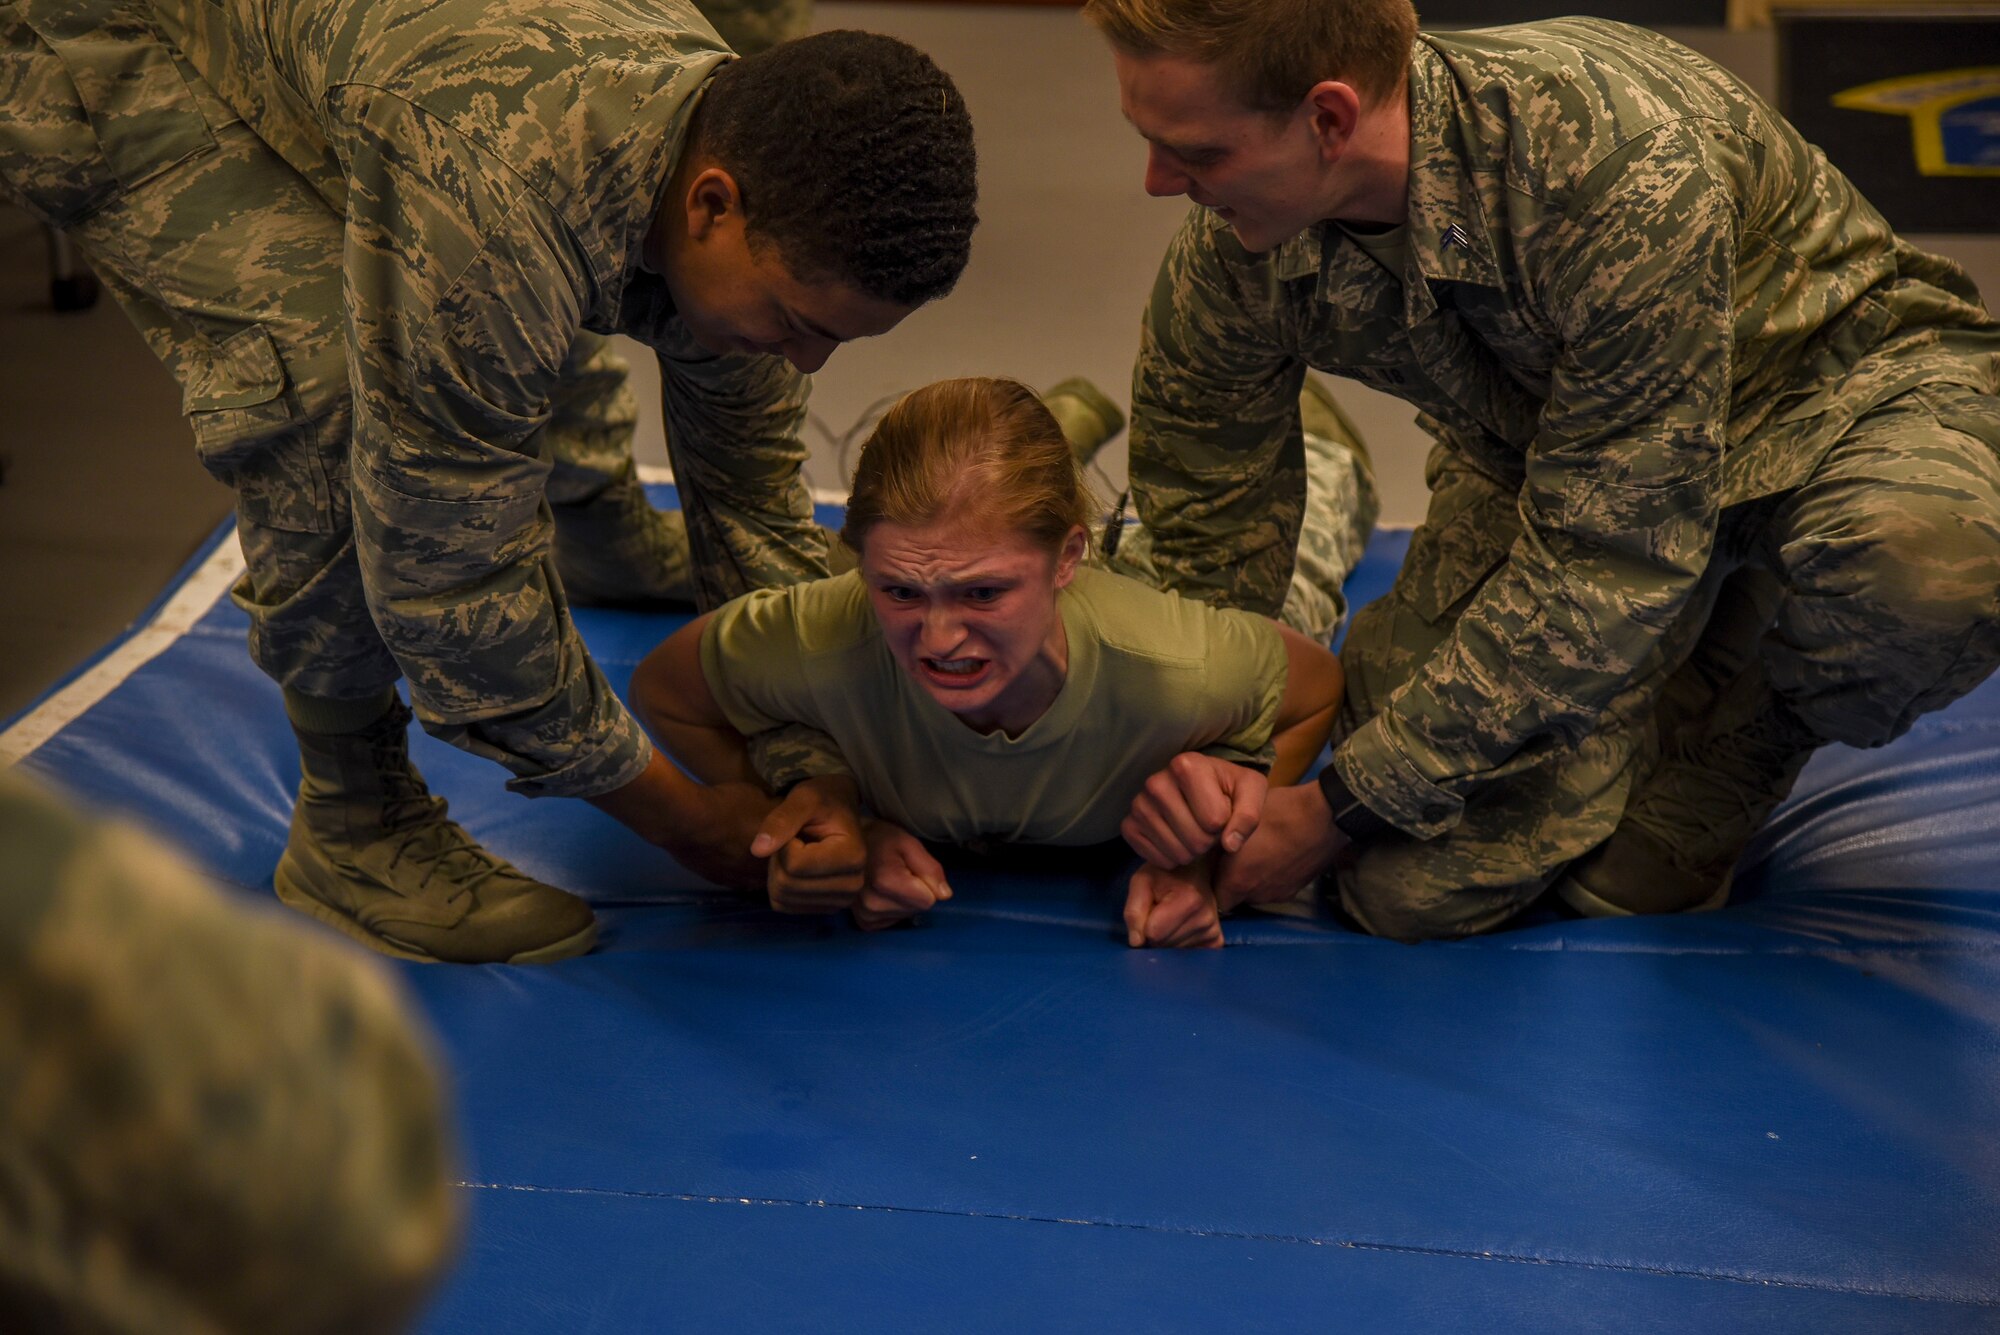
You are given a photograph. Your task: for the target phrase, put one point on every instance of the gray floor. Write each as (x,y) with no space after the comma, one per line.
(102,499)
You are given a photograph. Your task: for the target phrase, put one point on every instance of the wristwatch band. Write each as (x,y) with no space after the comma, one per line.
(1355,818)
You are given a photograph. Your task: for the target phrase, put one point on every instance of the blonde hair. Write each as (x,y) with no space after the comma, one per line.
(979,445)
(1271,52)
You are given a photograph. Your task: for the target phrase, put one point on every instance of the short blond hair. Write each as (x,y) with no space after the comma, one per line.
(979,445)
(1271,52)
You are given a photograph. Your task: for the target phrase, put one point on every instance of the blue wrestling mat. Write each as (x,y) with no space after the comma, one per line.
(1779,1117)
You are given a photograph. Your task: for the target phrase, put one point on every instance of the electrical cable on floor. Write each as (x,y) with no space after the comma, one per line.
(842,445)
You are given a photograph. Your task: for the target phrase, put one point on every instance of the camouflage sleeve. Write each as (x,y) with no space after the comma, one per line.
(733,424)
(1620,503)
(464,296)
(216,1119)
(1217,461)
(788,756)
(750,26)
(733,435)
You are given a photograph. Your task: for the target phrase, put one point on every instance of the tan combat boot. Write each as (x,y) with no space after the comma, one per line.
(1089,420)
(1675,848)
(372,853)
(616,549)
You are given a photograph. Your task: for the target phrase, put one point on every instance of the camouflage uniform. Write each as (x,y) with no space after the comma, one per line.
(382,273)
(1657,337)
(1339,513)
(590,435)
(215,1121)
(750,26)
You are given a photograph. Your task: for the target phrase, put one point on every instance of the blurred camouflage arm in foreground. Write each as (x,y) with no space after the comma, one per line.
(1620,503)
(1217,460)
(216,1120)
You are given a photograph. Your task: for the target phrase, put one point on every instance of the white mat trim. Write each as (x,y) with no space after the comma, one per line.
(188,605)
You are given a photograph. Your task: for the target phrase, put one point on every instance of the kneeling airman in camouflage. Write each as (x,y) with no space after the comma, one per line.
(1716,478)
(380,242)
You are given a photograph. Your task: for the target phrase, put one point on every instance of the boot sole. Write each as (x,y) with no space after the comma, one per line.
(1093,398)
(293,893)
(1572,892)
(1110,419)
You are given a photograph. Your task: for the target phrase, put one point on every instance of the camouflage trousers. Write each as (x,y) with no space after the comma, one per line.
(1865,598)
(1340,512)
(214,1120)
(229,263)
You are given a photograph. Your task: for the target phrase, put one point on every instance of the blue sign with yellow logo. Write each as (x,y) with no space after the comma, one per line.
(1954,117)
(1905,99)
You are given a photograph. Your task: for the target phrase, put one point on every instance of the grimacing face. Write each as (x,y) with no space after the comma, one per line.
(969,611)
(1260,173)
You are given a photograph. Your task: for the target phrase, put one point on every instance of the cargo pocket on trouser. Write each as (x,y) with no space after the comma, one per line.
(460,583)
(252,436)
(310,627)
(592,415)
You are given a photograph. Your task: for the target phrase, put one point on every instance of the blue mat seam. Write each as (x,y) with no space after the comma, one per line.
(1352,1244)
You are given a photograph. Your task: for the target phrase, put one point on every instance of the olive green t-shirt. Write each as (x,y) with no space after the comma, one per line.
(1150,675)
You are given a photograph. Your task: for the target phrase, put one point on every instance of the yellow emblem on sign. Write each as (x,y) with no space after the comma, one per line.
(1954,117)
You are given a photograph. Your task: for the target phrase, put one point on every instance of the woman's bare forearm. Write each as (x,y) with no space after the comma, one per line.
(1313,687)
(1299,745)
(671,697)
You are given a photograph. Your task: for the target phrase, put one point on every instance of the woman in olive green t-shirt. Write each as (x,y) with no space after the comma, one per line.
(981,683)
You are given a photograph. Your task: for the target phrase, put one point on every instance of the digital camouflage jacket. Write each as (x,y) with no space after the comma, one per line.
(1633,295)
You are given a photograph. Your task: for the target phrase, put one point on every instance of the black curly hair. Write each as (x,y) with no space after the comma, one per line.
(853,156)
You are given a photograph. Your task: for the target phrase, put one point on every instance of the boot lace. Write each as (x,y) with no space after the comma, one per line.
(1717,789)
(449,862)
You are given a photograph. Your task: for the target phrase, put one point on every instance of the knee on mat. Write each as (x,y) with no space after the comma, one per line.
(1401,908)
